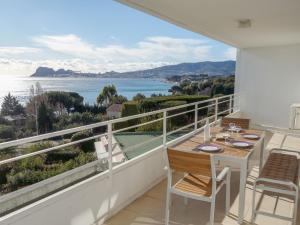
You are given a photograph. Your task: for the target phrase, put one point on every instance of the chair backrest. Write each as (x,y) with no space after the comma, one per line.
(101,150)
(242,122)
(189,162)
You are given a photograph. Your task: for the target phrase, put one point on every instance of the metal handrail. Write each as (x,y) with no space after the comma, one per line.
(110,131)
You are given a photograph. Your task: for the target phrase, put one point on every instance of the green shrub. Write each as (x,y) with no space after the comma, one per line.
(23,173)
(75,119)
(86,146)
(7,132)
(4,121)
(62,155)
(4,169)
(38,146)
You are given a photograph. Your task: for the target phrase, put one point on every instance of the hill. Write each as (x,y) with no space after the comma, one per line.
(207,67)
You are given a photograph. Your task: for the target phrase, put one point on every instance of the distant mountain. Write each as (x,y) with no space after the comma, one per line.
(49,72)
(207,67)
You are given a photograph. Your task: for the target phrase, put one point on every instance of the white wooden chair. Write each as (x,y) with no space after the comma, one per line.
(200,182)
(101,151)
(280,174)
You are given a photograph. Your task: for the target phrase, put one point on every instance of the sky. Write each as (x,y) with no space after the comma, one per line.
(94,36)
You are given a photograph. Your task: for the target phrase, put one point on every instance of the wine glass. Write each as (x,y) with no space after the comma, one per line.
(238,129)
(232,127)
(226,137)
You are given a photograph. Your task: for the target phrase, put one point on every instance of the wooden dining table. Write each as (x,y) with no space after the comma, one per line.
(229,154)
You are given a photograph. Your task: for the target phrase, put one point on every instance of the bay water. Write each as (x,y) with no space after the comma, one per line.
(89,88)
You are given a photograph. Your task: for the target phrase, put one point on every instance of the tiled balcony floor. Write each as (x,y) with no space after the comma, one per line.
(150,208)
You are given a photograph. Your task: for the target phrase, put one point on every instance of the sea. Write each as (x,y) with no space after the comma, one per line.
(89,88)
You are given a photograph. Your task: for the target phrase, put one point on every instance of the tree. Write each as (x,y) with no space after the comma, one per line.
(61,101)
(11,106)
(185,83)
(106,95)
(138,97)
(36,96)
(217,89)
(45,118)
(175,90)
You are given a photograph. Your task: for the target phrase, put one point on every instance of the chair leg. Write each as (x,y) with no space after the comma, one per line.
(212,211)
(168,203)
(295,207)
(227,206)
(253,203)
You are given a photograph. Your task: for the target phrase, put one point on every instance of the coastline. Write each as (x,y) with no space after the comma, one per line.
(87,87)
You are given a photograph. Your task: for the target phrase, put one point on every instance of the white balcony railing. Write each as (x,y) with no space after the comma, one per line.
(199,112)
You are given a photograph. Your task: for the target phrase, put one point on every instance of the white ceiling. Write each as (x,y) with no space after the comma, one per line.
(274,22)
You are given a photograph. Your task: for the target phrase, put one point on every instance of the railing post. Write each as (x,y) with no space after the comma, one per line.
(216,109)
(165,128)
(230,104)
(109,134)
(110,165)
(196,116)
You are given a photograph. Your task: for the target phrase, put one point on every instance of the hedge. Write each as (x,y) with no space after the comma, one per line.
(62,155)
(130,108)
(161,102)
(86,146)
(154,103)
(172,103)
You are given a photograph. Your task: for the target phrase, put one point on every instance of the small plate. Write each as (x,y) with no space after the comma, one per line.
(251,136)
(241,144)
(209,148)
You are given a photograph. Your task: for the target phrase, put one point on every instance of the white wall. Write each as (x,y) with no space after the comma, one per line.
(268,81)
(114,115)
(89,201)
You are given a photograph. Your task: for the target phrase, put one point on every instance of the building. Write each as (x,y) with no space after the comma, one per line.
(114,111)
(16,119)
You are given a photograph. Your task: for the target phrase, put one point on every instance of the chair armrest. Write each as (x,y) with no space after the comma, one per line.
(223,173)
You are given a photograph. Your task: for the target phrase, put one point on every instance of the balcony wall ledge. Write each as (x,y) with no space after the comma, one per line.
(50,208)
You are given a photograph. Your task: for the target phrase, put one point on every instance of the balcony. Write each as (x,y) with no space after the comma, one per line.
(150,208)
(132,190)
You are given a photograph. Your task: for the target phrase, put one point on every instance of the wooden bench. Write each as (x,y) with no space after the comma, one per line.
(280,174)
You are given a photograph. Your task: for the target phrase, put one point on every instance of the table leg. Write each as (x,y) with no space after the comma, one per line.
(243,178)
(261,159)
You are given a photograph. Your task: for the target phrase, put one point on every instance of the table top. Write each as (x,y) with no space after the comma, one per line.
(191,143)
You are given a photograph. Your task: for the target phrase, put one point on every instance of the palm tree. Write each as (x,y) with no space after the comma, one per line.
(107,95)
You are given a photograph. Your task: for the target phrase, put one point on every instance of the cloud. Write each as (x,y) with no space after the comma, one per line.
(230,53)
(72,52)
(157,48)
(8,51)
(67,44)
